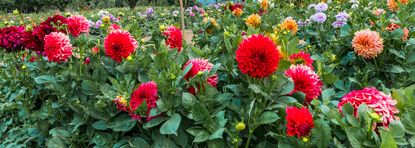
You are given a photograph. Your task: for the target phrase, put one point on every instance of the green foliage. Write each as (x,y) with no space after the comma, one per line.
(71,104)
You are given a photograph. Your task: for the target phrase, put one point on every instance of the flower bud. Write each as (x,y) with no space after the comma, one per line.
(226,34)
(200,73)
(24,67)
(172,77)
(95,50)
(305,139)
(29,28)
(16,12)
(67,14)
(240,126)
(129,58)
(87,61)
(375,116)
(162,28)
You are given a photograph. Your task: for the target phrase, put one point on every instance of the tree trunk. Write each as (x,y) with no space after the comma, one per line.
(132,3)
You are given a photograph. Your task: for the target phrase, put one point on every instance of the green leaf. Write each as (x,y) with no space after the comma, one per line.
(387,140)
(412,141)
(327,94)
(59,132)
(268,117)
(217,143)
(55,142)
(154,122)
(171,125)
(199,112)
(138,142)
(90,110)
(255,88)
(228,45)
(408,120)
(100,125)
(397,34)
(321,133)
(394,69)
(288,87)
(188,99)
(45,79)
(292,44)
(397,130)
(89,87)
(356,136)
(217,134)
(283,65)
(201,136)
(122,123)
(164,143)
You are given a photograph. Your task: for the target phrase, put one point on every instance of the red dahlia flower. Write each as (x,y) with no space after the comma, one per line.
(233,7)
(31,41)
(57,47)
(382,104)
(11,38)
(78,24)
(119,44)
(56,22)
(200,65)
(302,58)
(113,27)
(34,41)
(299,121)
(305,80)
(145,92)
(174,38)
(257,56)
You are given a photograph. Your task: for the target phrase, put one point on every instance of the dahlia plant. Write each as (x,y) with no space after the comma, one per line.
(242,74)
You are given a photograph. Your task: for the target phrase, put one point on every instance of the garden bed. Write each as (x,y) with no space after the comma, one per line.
(253,74)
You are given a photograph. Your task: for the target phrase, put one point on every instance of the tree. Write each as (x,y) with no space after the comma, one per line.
(132,3)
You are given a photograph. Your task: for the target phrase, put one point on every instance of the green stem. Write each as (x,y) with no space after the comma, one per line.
(249,139)
(235,145)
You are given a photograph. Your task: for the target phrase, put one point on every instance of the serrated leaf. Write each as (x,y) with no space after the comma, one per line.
(387,140)
(268,117)
(217,134)
(321,133)
(201,136)
(199,112)
(171,125)
(397,129)
(188,99)
(90,110)
(55,142)
(45,79)
(138,142)
(164,143)
(122,123)
(327,94)
(154,122)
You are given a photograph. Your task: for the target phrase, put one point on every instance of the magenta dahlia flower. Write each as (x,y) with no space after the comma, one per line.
(305,80)
(381,103)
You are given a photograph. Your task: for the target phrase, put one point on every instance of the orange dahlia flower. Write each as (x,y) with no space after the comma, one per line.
(367,43)
(392,5)
(254,20)
(290,24)
(403,1)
